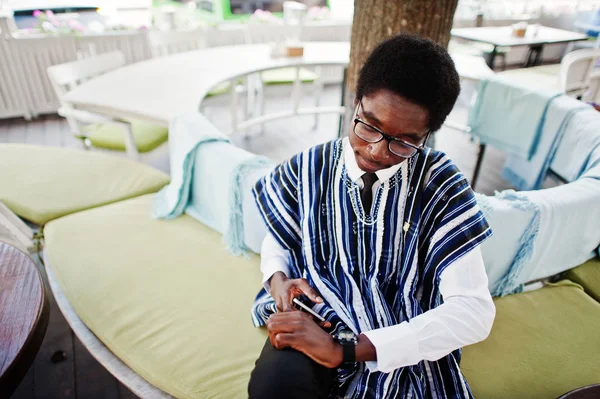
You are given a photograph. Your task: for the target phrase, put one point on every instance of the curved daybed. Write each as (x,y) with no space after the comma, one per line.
(165,306)
(97,349)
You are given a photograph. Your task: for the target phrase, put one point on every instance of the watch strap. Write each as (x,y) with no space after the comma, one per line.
(348,352)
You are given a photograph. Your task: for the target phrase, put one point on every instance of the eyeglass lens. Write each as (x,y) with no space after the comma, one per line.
(370,135)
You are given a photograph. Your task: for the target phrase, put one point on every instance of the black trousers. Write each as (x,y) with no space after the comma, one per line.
(288,374)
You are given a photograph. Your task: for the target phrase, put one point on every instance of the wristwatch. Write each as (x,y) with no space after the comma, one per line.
(348,340)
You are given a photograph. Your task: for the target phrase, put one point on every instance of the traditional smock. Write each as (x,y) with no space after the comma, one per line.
(373,269)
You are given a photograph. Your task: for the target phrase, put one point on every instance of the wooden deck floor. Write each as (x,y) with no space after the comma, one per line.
(79,375)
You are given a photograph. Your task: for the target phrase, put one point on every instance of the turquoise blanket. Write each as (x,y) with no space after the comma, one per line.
(509,116)
(187,134)
(564,119)
(211,180)
(540,233)
(579,151)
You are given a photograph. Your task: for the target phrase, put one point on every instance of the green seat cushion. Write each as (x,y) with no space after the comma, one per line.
(543,343)
(164,295)
(287,76)
(41,183)
(221,88)
(112,137)
(588,276)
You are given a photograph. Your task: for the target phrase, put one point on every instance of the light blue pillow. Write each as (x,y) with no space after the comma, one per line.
(212,188)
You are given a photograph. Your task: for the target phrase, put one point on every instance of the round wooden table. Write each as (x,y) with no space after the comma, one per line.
(24,313)
(589,392)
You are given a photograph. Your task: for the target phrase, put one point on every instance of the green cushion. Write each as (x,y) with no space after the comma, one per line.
(164,295)
(588,275)
(43,183)
(112,137)
(186,326)
(543,343)
(287,76)
(221,88)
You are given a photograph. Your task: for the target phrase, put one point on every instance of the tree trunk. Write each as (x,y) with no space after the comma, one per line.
(377,20)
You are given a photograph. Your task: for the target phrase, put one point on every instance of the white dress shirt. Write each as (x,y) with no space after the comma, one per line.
(465,317)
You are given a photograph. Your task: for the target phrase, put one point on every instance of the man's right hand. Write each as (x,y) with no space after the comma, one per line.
(284,290)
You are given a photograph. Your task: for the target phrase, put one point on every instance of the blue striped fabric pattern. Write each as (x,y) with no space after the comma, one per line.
(378,269)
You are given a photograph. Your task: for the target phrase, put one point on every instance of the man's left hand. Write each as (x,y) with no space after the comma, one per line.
(299,331)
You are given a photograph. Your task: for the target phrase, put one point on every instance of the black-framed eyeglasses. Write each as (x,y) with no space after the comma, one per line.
(396,146)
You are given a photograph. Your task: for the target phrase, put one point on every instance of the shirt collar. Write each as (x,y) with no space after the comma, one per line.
(354,172)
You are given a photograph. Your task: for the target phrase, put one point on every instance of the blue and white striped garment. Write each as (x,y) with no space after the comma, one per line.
(373,270)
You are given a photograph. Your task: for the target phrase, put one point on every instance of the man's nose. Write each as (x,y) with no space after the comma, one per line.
(379,150)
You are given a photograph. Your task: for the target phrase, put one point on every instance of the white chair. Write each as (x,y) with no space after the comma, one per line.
(575,75)
(278,35)
(578,77)
(171,42)
(138,140)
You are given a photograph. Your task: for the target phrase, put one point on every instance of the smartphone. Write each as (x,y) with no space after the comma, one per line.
(309,310)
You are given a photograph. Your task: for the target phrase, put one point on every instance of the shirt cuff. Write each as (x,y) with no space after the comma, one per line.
(272,266)
(396,346)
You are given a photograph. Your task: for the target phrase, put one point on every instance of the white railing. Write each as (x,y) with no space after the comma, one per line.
(33,56)
(12,95)
(26,91)
(24,86)
(134,45)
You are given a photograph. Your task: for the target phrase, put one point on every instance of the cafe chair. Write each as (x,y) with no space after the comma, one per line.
(278,35)
(139,140)
(164,43)
(576,75)
(579,76)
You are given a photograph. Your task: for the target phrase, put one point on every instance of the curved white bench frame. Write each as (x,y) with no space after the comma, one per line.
(98,350)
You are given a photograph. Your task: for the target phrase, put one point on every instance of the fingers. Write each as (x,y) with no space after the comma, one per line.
(325,324)
(309,291)
(275,327)
(292,293)
(283,340)
(288,317)
(292,321)
(282,323)
(287,322)
(272,340)
(284,305)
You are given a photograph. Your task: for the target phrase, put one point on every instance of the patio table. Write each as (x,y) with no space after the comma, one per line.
(501,36)
(159,89)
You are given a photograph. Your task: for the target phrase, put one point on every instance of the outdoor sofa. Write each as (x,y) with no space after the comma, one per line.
(164,305)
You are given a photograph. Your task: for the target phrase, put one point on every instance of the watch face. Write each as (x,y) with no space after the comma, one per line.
(346,335)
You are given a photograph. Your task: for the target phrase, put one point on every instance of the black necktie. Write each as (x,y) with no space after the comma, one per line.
(366,195)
